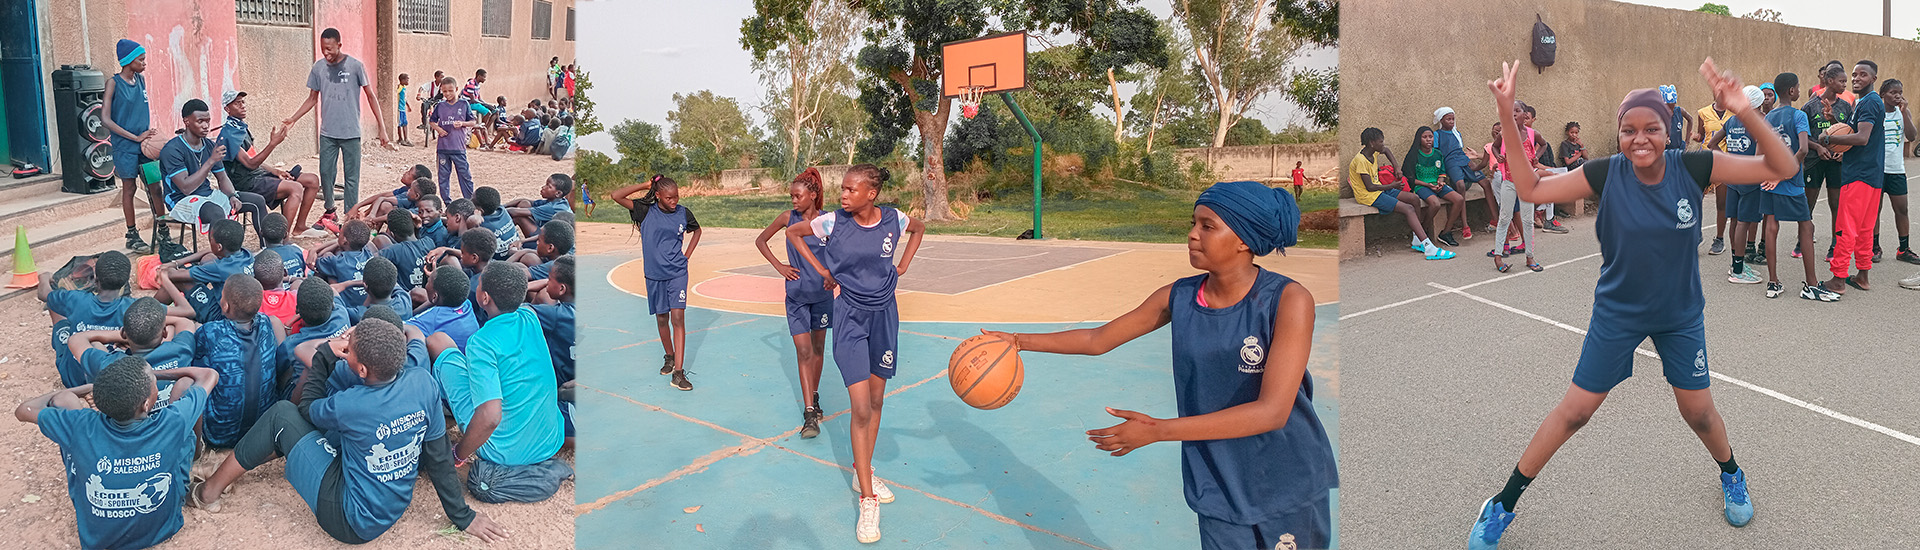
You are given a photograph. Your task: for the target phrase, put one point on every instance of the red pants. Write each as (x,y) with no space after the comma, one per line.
(1859,211)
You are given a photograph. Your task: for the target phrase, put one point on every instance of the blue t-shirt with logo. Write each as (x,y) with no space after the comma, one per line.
(1642,229)
(408,257)
(171,354)
(380,430)
(86,309)
(556,321)
(458,322)
(176,158)
(662,240)
(505,233)
(1790,122)
(1867,163)
(127,482)
(293,258)
(399,300)
(215,272)
(341,267)
(336,325)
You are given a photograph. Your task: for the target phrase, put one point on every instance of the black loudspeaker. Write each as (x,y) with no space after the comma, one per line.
(86,159)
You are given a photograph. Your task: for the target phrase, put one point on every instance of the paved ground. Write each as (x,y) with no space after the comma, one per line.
(721,466)
(1450,367)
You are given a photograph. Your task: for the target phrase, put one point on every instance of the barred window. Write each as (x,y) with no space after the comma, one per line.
(287,13)
(569,24)
(424,16)
(542,20)
(496,18)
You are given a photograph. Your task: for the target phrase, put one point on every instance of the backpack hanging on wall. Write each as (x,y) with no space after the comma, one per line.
(1544,44)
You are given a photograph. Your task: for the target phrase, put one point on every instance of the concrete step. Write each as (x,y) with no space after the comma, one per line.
(47,208)
(16,189)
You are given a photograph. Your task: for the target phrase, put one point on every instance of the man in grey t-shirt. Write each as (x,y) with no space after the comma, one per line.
(332,83)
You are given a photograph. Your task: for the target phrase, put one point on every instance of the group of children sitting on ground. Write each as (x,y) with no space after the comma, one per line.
(348,361)
(542,127)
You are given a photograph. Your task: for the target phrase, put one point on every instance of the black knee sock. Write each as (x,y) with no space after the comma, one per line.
(1516,484)
(1739,264)
(1903,243)
(1728,467)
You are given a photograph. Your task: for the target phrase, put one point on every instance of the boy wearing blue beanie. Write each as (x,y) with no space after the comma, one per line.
(129,123)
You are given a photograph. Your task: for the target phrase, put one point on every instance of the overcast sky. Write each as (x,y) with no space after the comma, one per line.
(1861,16)
(641,52)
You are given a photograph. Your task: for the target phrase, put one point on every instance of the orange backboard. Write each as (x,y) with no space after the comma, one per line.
(997,62)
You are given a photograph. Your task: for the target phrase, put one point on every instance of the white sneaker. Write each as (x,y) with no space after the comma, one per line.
(315,233)
(880,490)
(868,529)
(1911,283)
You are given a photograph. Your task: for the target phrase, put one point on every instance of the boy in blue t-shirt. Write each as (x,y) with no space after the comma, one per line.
(129,122)
(451,119)
(476,246)
(530,215)
(553,304)
(449,310)
(320,319)
(1785,202)
(555,240)
(414,182)
(1862,169)
(223,259)
(143,334)
(273,232)
(407,253)
(79,310)
(380,283)
(243,346)
(511,445)
(355,454)
(342,260)
(494,218)
(431,227)
(126,460)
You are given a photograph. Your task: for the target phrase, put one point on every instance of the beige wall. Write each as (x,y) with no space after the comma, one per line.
(1265,162)
(274,62)
(516,66)
(1402,60)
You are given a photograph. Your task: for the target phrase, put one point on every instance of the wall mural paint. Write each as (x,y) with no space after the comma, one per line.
(192,52)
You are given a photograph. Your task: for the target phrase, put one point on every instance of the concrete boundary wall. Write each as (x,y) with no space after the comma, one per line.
(1265,162)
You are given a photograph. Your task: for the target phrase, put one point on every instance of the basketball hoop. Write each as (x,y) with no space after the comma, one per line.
(970,101)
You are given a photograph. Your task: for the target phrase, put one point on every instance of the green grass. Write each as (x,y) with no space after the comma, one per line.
(1153,217)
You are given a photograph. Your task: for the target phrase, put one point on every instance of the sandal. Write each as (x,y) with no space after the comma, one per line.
(1856,284)
(1533,265)
(1500,264)
(193,497)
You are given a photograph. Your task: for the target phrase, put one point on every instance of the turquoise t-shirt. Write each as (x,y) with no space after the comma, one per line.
(508,360)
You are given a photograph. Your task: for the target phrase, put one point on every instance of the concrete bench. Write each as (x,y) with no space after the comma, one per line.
(1353,221)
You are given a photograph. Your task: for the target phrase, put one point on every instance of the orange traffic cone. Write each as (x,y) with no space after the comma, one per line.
(24,274)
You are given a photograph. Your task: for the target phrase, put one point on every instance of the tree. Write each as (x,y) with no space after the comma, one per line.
(642,151)
(803,46)
(598,172)
(1318,91)
(1169,95)
(1763,14)
(583,120)
(1716,9)
(712,130)
(900,67)
(1315,22)
(1130,42)
(1241,56)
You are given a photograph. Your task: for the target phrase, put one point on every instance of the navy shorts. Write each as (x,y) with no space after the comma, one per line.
(1785,208)
(1896,185)
(1606,357)
(1425,192)
(1743,203)
(805,318)
(126,162)
(666,295)
(307,465)
(1824,171)
(866,341)
(1387,200)
(1307,526)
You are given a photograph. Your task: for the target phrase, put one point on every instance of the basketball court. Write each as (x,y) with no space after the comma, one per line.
(722,466)
(1464,362)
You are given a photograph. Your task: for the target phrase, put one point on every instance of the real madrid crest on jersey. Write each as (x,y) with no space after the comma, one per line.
(1685,212)
(1251,355)
(886,246)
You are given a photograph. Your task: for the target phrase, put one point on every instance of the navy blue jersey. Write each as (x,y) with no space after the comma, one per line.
(87,311)
(540,271)
(1790,122)
(399,300)
(662,241)
(1867,163)
(1649,280)
(810,288)
(287,360)
(1219,361)
(171,354)
(556,321)
(214,272)
(130,111)
(409,258)
(544,209)
(341,267)
(177,157)
(437,234)
(127,481)
(379,430)
(244,357)
(238,138)
(1676,133)
(293,258)
(861,258)
(505,233)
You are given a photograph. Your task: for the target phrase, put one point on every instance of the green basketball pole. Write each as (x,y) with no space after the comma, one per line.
(1022,115)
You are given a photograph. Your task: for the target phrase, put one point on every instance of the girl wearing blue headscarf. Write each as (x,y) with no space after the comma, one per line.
(1256,462)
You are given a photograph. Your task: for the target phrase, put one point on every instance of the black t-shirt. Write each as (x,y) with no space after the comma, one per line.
(1817,121)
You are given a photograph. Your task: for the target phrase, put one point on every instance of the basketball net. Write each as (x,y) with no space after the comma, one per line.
(970,101)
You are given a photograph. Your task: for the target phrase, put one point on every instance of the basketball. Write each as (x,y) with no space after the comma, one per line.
(1839,129)
(986,372)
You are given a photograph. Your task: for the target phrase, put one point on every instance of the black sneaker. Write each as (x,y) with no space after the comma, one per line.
(1756,258)
(1719,245)
(667,368)
(1447,238)
(161,234)
(1877,255)
(1907,256)
(680,381)
(810,423)
(1553,226)
(1774,289)
(135,244)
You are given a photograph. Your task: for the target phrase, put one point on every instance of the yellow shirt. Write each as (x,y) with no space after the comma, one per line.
(1712,122)
(1363,165)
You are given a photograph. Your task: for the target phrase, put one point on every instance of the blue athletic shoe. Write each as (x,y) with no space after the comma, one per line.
(1739,507)
(1493,522)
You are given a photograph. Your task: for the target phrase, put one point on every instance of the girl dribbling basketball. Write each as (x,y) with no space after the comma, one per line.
(809,303)
(1256,461)
(861,241)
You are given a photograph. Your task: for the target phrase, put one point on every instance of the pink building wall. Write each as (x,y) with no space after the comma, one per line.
(191,53)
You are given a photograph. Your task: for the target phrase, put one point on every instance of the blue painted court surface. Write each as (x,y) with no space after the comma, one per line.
(1023,476)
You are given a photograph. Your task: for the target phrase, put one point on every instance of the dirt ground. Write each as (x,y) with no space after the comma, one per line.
(262,510)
